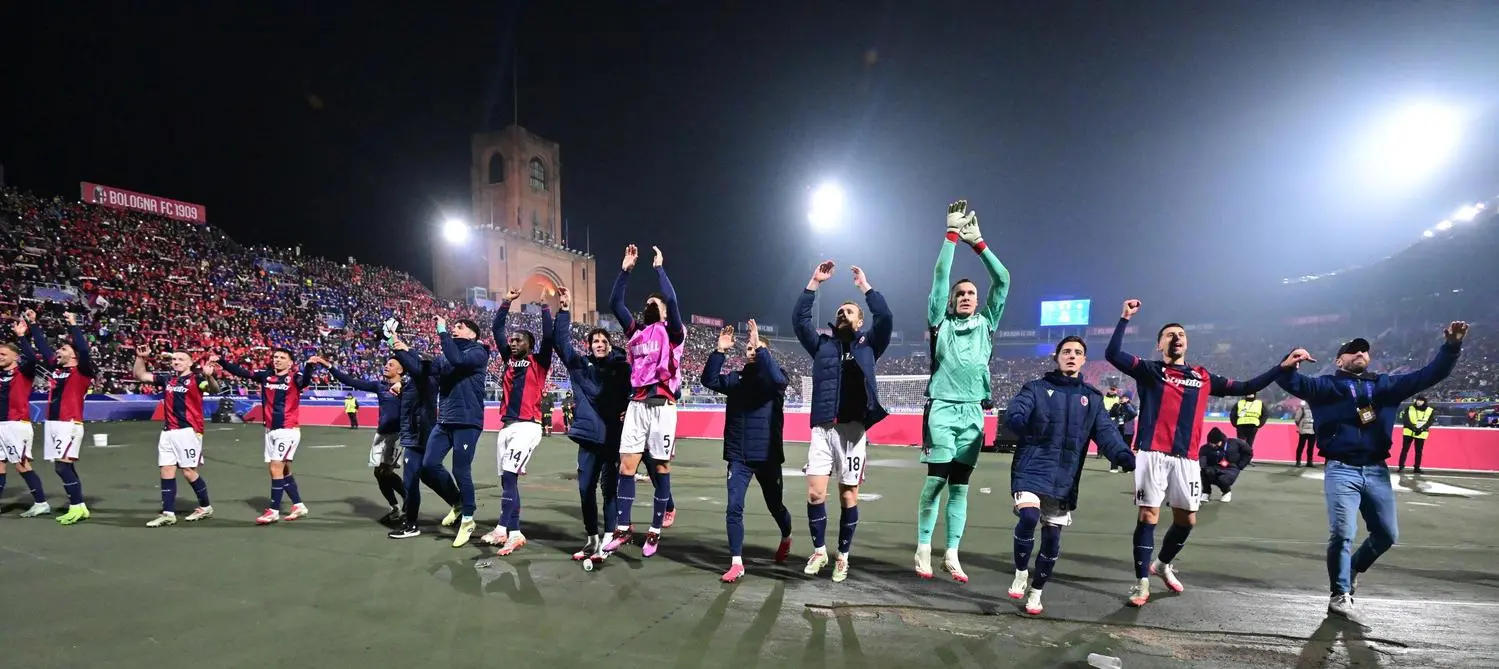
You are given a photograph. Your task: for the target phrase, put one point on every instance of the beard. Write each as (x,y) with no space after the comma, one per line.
(652,314)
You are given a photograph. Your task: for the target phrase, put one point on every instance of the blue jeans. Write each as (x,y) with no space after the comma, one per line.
(1366,491)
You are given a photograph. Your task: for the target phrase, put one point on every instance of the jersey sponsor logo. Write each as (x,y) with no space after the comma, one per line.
(277,386)
(1184,382)
(59,375)
(176,387)
(519,363)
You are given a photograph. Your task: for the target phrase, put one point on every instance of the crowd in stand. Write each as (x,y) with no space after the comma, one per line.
(142,278)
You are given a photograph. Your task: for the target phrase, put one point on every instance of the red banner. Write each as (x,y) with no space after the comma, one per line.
(707,320)
(124,199)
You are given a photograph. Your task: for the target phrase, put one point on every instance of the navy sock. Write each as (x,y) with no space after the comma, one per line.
(817,520)
(510,501)
(624,498)
(70,483)
(848,521)
(200,488)
(1144,547)
(291,489)
(34,482)
(662,499)
(1176,537)
(169,495)
(2,484)
(277,486)
(1051,549)
(1025,537)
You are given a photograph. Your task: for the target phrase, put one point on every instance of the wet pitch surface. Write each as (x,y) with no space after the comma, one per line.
(332,591)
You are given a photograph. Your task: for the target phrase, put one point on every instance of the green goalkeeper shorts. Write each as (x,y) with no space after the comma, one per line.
(952,432)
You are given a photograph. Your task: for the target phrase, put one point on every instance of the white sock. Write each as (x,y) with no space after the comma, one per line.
(468,519)
(952,554)
(737,560)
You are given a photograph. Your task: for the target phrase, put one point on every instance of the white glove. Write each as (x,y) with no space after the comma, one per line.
(970,233)
(957,215)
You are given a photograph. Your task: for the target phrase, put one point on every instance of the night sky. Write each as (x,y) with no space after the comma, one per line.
(1181,152)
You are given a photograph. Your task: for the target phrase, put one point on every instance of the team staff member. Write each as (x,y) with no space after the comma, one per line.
(1356,413)
(752,442)
(601,392)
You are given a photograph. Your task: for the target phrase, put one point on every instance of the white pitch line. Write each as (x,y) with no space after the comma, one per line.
(329,446)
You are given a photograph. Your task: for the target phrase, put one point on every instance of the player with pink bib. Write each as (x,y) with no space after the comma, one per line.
(656,343)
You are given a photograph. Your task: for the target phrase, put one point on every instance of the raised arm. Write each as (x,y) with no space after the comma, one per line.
(208,379)
(713,377)
(999,285)
(882,324)
(1402,386)
(1223,386)
(501,316)
(43,350)
(548,338)
(617,294)
(356,383)
(771,372)
(801,315)
(304,379)
(81,348)
(999,277)
(139,370)
(936,301)
(240,372)
(562,343)
(472,359)
(1114,353)
(1018,413)
(411,362)
(676,329)
(883,327)
(1313,389)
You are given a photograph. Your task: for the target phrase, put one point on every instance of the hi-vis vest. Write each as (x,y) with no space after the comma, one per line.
(351,405)
(1419,417)
(1249,412)
(1109,401)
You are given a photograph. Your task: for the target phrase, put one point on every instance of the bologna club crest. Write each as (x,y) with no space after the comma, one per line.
(1084,399)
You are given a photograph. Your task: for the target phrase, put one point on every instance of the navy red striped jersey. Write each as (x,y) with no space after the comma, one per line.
(280,394)
(181,401)
(15,389)
(523,384)
(525,378)
(1174,398)
(69,384)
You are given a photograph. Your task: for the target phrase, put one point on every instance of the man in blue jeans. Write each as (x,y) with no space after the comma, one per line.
(1354,412)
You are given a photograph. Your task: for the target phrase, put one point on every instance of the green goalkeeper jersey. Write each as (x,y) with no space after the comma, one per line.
(961,346)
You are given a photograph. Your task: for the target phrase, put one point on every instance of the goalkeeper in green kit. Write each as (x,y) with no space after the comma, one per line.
(962,339)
